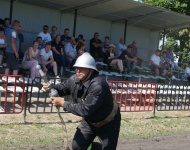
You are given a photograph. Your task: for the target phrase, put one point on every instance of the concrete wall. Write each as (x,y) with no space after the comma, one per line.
(33,18)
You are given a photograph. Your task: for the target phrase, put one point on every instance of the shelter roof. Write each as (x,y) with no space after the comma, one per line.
(136,13)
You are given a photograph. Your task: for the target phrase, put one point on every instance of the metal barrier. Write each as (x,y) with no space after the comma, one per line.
(12,90)
(133,96)
(37,99)
(173,97)
(17,91)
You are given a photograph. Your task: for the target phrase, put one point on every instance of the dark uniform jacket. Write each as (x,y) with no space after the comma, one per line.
(92,100)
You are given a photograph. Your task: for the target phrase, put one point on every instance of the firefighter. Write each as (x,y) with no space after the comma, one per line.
(93,101)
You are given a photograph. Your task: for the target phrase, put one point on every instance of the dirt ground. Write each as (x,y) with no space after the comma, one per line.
(177,142)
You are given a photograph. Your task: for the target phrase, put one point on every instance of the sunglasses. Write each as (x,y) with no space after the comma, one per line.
(45,29)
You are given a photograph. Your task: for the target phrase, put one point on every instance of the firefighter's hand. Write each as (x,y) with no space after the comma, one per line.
(57,101)
(45,86)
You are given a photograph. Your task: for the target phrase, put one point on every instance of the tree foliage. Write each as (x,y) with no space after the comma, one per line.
(178,39)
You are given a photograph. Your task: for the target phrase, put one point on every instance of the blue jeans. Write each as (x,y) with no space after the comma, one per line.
(63,60)
(128,64)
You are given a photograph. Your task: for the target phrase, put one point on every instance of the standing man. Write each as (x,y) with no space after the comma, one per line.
(21,44)
(92,100)
(12,48)
(7,25)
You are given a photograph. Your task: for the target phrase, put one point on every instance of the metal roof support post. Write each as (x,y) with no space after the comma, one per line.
(11,10)
(125,30)
(163,38)
(75,22)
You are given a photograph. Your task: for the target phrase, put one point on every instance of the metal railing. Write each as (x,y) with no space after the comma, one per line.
(12,90)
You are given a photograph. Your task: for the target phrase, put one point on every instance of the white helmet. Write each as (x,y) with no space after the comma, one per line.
(86,61)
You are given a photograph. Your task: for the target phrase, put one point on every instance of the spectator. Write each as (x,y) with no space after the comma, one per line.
(127,59)
(80,41)
(110,58)
(166,63)
(12,48)
(186,75)
(21,39)
(47,61)
(6,25)
(40,43)
(53,32)
(121,46)
(70,49)
(170,55)
(1,23)
(46,37)
(3,44)
(106,43)
(65,38)
(155,64)
(96,47)
(58,52)
(79,52)
(30,60)
(134,53)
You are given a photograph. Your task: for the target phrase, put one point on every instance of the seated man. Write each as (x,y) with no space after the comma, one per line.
(40,43)
(80,41)
(121,46)
(170,55)
(96,47)
(134,53)
(186,75)
(155,64)
(166,63)
(58,53)
(70,50)
(46,59)
(106,44)
(65,38)
(127,59)
(46,37)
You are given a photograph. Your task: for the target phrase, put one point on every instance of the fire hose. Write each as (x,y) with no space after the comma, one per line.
(54,93)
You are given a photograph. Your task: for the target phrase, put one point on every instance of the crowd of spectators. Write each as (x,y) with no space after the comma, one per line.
(52,49)
(162,63)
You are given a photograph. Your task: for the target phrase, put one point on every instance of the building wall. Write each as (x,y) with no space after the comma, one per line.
(33,18)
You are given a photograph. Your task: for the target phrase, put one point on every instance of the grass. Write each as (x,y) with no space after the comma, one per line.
(43,130)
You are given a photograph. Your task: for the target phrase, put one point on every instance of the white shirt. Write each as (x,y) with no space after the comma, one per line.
(46,37)
(155,59)
(2,41)
(187,71)
(121,46)
(45,54)
(71,50)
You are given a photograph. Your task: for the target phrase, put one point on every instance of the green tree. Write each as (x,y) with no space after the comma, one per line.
(172,36)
